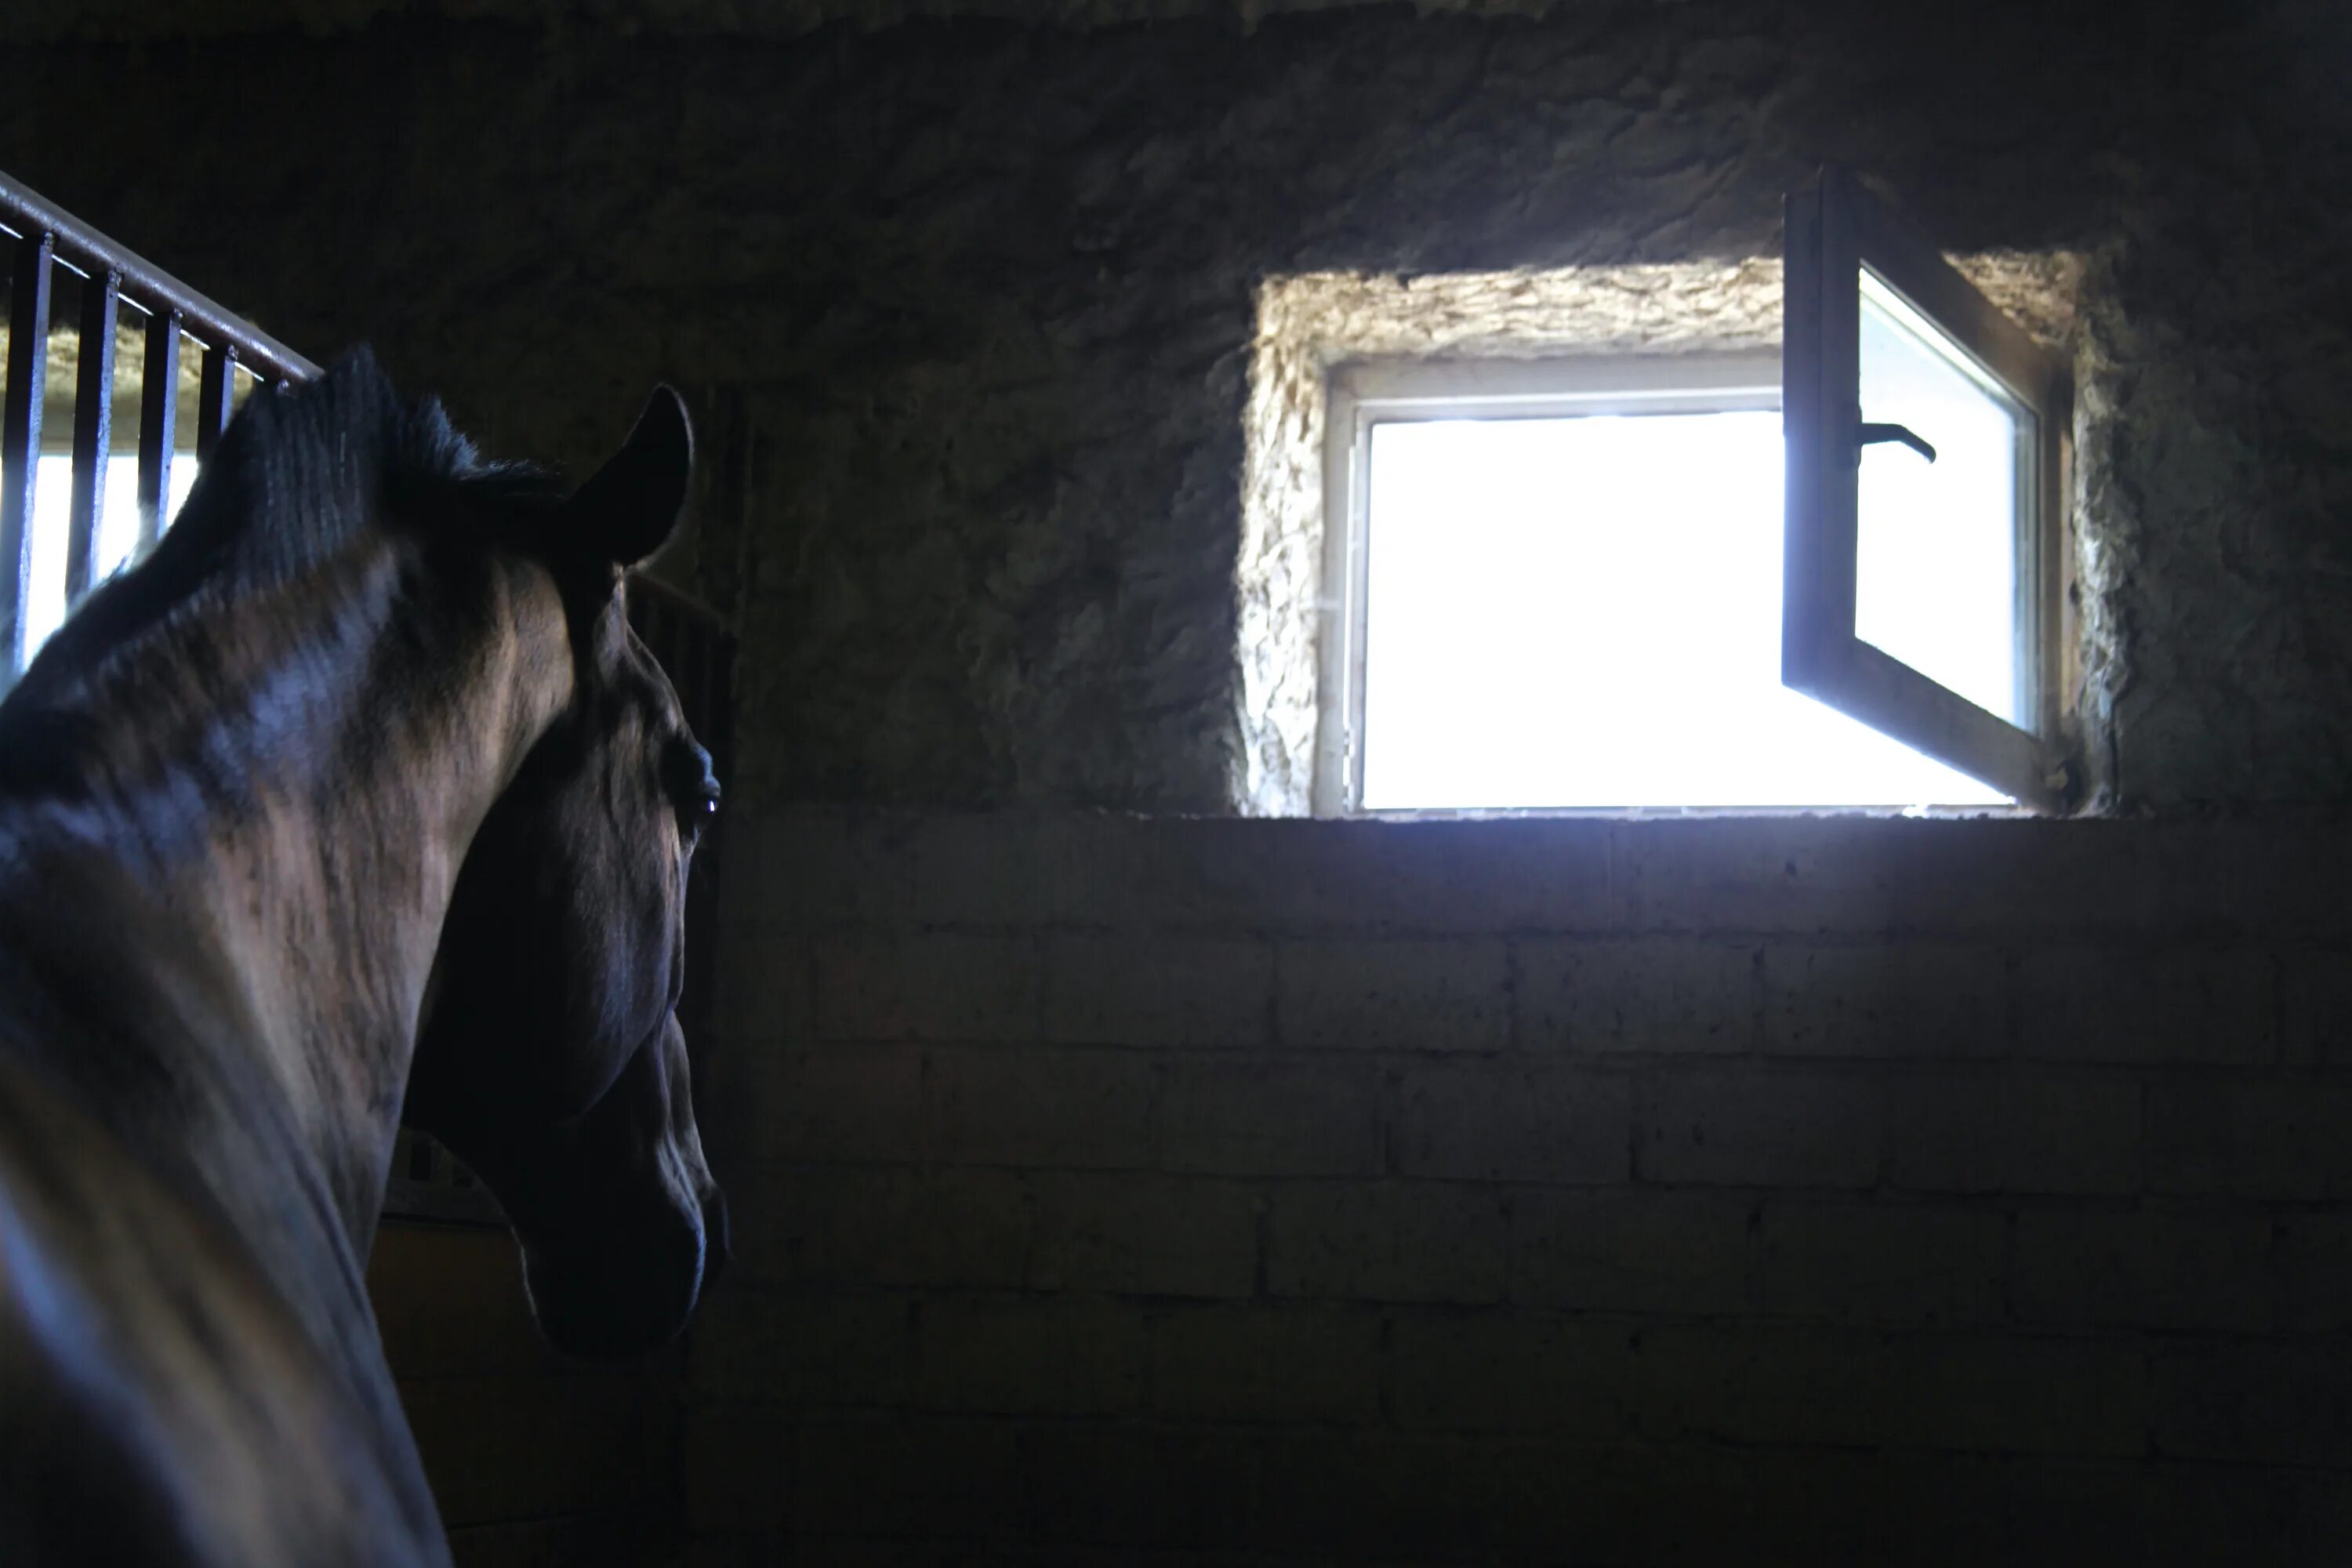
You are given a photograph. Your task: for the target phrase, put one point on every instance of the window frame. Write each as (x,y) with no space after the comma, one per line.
(1836,231)
(1363,393)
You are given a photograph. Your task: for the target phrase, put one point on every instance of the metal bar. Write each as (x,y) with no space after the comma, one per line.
(159,408)
(213,397)
(93,432)
(20,438)
(27,213)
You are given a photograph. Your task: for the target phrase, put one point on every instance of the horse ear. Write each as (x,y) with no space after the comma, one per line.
(629,508)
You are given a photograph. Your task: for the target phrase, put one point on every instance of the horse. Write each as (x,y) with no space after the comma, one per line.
(357,801)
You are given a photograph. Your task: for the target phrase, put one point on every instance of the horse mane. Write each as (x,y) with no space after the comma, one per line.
(299,474)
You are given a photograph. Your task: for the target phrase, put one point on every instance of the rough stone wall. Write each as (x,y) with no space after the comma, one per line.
(1822,1190)
(974,302)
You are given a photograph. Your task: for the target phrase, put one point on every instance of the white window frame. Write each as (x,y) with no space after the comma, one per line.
(1367,392)
(1835,231)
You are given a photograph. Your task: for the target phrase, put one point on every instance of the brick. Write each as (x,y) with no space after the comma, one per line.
(1408,996)
(1263,1360)
(2004,880)
(1506,1120)
(2158,1509)
(2008,1393)
(1626,1249)
(814,867)
(1042,1107)
(1756,874)
(738,1463)
(853,1349)
(1115,1493)
(2315,1005)
(842,1103)
(2014,1131)
(1358,1496)
(1454,877)
(1887,1507)
(1746,1383)
(2285,1403)
(1879,1262)
(1505,1370)
(2287,879)
(2051,877)
(933,985)
(735,1549)
(1660,995)
(1028,1356)
(897,1475)
(1552,1500)
(2069,1509)
(1752,1127)
(859,1226)
(728,1112)
(2280,1136)
(1894,999)
(969,869)
(2313,1256)
(761,990)
(1248,1116)
(1128,873)
(1388,1241)
(2142,1269)
(523,1448)
(2152,1004)
(2060,878)
(1144,1235)
(1158,991)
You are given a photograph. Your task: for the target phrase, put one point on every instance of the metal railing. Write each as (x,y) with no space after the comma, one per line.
(47,238)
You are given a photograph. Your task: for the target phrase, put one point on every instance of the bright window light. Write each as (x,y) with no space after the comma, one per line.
(1585,611)
(118,530)
(1936,545)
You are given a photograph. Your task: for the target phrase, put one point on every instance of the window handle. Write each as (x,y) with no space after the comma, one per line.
(1871,435)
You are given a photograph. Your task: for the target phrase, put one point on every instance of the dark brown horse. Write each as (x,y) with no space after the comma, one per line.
(359,793)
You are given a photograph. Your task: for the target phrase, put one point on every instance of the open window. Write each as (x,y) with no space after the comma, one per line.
(1693,576)
(1925,450)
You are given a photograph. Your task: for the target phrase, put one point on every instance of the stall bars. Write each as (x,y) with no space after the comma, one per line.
(47,237)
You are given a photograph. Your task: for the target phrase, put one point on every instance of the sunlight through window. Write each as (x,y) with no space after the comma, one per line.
(118,532)
(1585,611)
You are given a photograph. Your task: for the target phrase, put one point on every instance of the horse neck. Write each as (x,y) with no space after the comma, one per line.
(279,850)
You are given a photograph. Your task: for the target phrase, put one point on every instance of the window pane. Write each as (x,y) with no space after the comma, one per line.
(1586,612)
(1935,551)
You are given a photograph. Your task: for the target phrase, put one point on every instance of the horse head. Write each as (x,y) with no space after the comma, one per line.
(550,1057)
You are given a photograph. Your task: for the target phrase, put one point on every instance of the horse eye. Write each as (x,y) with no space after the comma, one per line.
(687,779)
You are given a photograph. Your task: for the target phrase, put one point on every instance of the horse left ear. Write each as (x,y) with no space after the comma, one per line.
(629,508)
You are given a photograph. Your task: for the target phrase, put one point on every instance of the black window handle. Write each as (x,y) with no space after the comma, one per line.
(1871,435)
